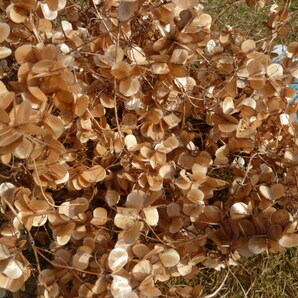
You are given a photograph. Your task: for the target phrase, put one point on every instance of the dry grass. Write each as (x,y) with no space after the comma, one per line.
(259,276)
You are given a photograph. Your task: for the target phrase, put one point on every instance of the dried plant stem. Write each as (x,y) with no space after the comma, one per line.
(219,288)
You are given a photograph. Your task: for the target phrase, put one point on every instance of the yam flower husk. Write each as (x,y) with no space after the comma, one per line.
(141,146)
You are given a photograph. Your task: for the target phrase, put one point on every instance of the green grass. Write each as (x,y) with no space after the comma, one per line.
(250,19)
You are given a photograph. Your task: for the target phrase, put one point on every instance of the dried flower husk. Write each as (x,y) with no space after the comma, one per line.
(32,212)
(169,257)
(116,136)
(239,210)
(288,240)
(14,267)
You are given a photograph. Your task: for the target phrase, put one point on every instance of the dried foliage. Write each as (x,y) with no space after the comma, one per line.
(139,144)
